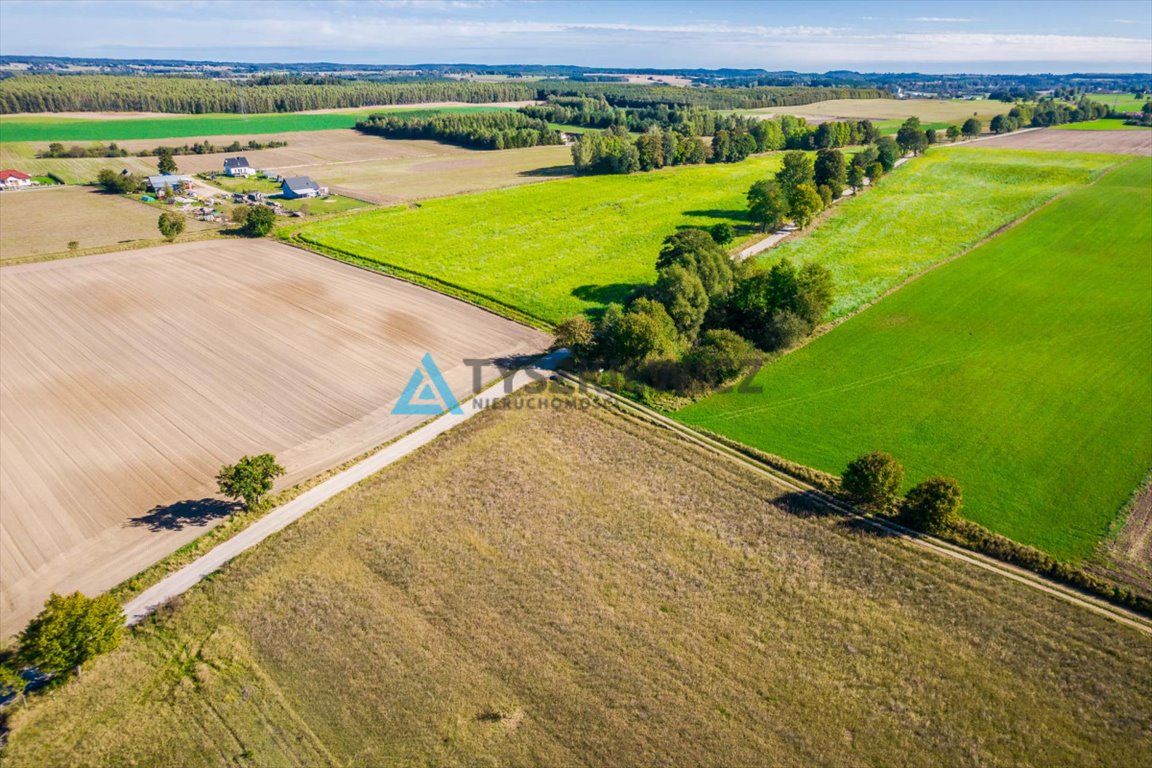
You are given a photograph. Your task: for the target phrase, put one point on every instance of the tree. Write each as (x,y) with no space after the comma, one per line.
(933,504)
(696,250)
(722,233)
(911,137)
(171,224)
(165,163)
(931,136)
(1002,124)
(805,205)
(11,680)
(796,169)
(71,630)
(767,207)
(645,332)
(875,171)
(887,152)
(952,132)
(831,171)
(577,335)
(117,183)
(684,297)
(813,293)
(971,128)
(259,221)
(855,177)
(249,479)
(873,479)
(73,245)
(720,356)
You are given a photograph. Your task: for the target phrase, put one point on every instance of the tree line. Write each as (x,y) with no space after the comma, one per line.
(487,130)
(1048,112)
(112,149)
(188,95)
(734,139)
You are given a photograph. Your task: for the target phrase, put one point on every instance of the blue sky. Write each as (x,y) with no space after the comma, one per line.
(972,36)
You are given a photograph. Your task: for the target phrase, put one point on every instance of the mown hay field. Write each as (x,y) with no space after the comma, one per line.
(130,378)
(928,110)
(43,221)
(1021,369)
(567,587)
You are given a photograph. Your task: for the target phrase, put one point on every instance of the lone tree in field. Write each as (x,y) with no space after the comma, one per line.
(259,221)
(249,479)
(971,128)
(873,479)
(933,504)
(165,163)
(71,630)
(171,224)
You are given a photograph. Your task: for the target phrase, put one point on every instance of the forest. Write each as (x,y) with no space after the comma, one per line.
(185,95)
(485,130)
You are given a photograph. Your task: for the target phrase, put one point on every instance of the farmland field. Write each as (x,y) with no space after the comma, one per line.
(129,378)
(934,207)
(23,128)
(382,170)
(1104,124)
(1021,369)
(43,221)
(1135,142)
(566,587)
(1120,102)
(928,110)
(552,250)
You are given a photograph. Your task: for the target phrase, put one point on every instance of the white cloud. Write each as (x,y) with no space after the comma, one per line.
(941,20)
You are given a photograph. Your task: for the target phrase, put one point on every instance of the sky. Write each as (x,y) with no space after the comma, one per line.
(813,36)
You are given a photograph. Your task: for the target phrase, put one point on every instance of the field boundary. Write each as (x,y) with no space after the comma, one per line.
(487,303)
(916,538)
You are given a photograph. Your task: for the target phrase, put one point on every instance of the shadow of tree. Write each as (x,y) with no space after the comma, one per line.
(733,214)
(549,171)
(190,512)
(610,293)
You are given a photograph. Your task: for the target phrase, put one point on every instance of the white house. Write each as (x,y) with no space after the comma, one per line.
(12,179)
(300,186)
(238,166)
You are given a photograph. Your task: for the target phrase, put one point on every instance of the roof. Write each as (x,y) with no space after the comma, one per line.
(9,173)
(166,180)
(236,162)
(299,183)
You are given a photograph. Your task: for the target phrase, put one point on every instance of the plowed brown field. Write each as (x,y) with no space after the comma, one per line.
(127,379)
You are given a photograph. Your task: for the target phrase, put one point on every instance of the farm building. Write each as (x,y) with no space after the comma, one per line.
(300,186)
(238,166)
(167,183)
(12,179)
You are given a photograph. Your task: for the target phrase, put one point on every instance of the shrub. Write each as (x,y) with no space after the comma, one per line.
(259,221)
(720,356)
(933,504)
(722,233)
(578,335)
(171,224)
(873,480)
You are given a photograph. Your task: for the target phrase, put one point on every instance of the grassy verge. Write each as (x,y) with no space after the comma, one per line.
(1021,369)
(567,587)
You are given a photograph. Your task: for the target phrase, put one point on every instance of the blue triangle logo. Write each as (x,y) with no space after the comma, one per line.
(427,394)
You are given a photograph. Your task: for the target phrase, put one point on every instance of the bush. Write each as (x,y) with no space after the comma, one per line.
(873,480)
(720,356)
(71,630)
(722,233)
(578,335)
(171,224)
(933,505)
(259,221)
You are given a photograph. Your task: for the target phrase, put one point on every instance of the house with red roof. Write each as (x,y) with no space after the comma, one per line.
(11,179)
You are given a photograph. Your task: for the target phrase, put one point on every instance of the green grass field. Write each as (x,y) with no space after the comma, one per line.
(575,245)
(890,127)
(1101,125)
(1121,102)
(1021,369)
(933,208)
(38,128)
(551,250)
(561,587)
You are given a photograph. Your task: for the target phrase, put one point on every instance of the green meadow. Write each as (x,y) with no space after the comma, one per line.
(1021,369)
(1105,124)
(38,128)
(935,207)
(1121,102)
(549,250)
